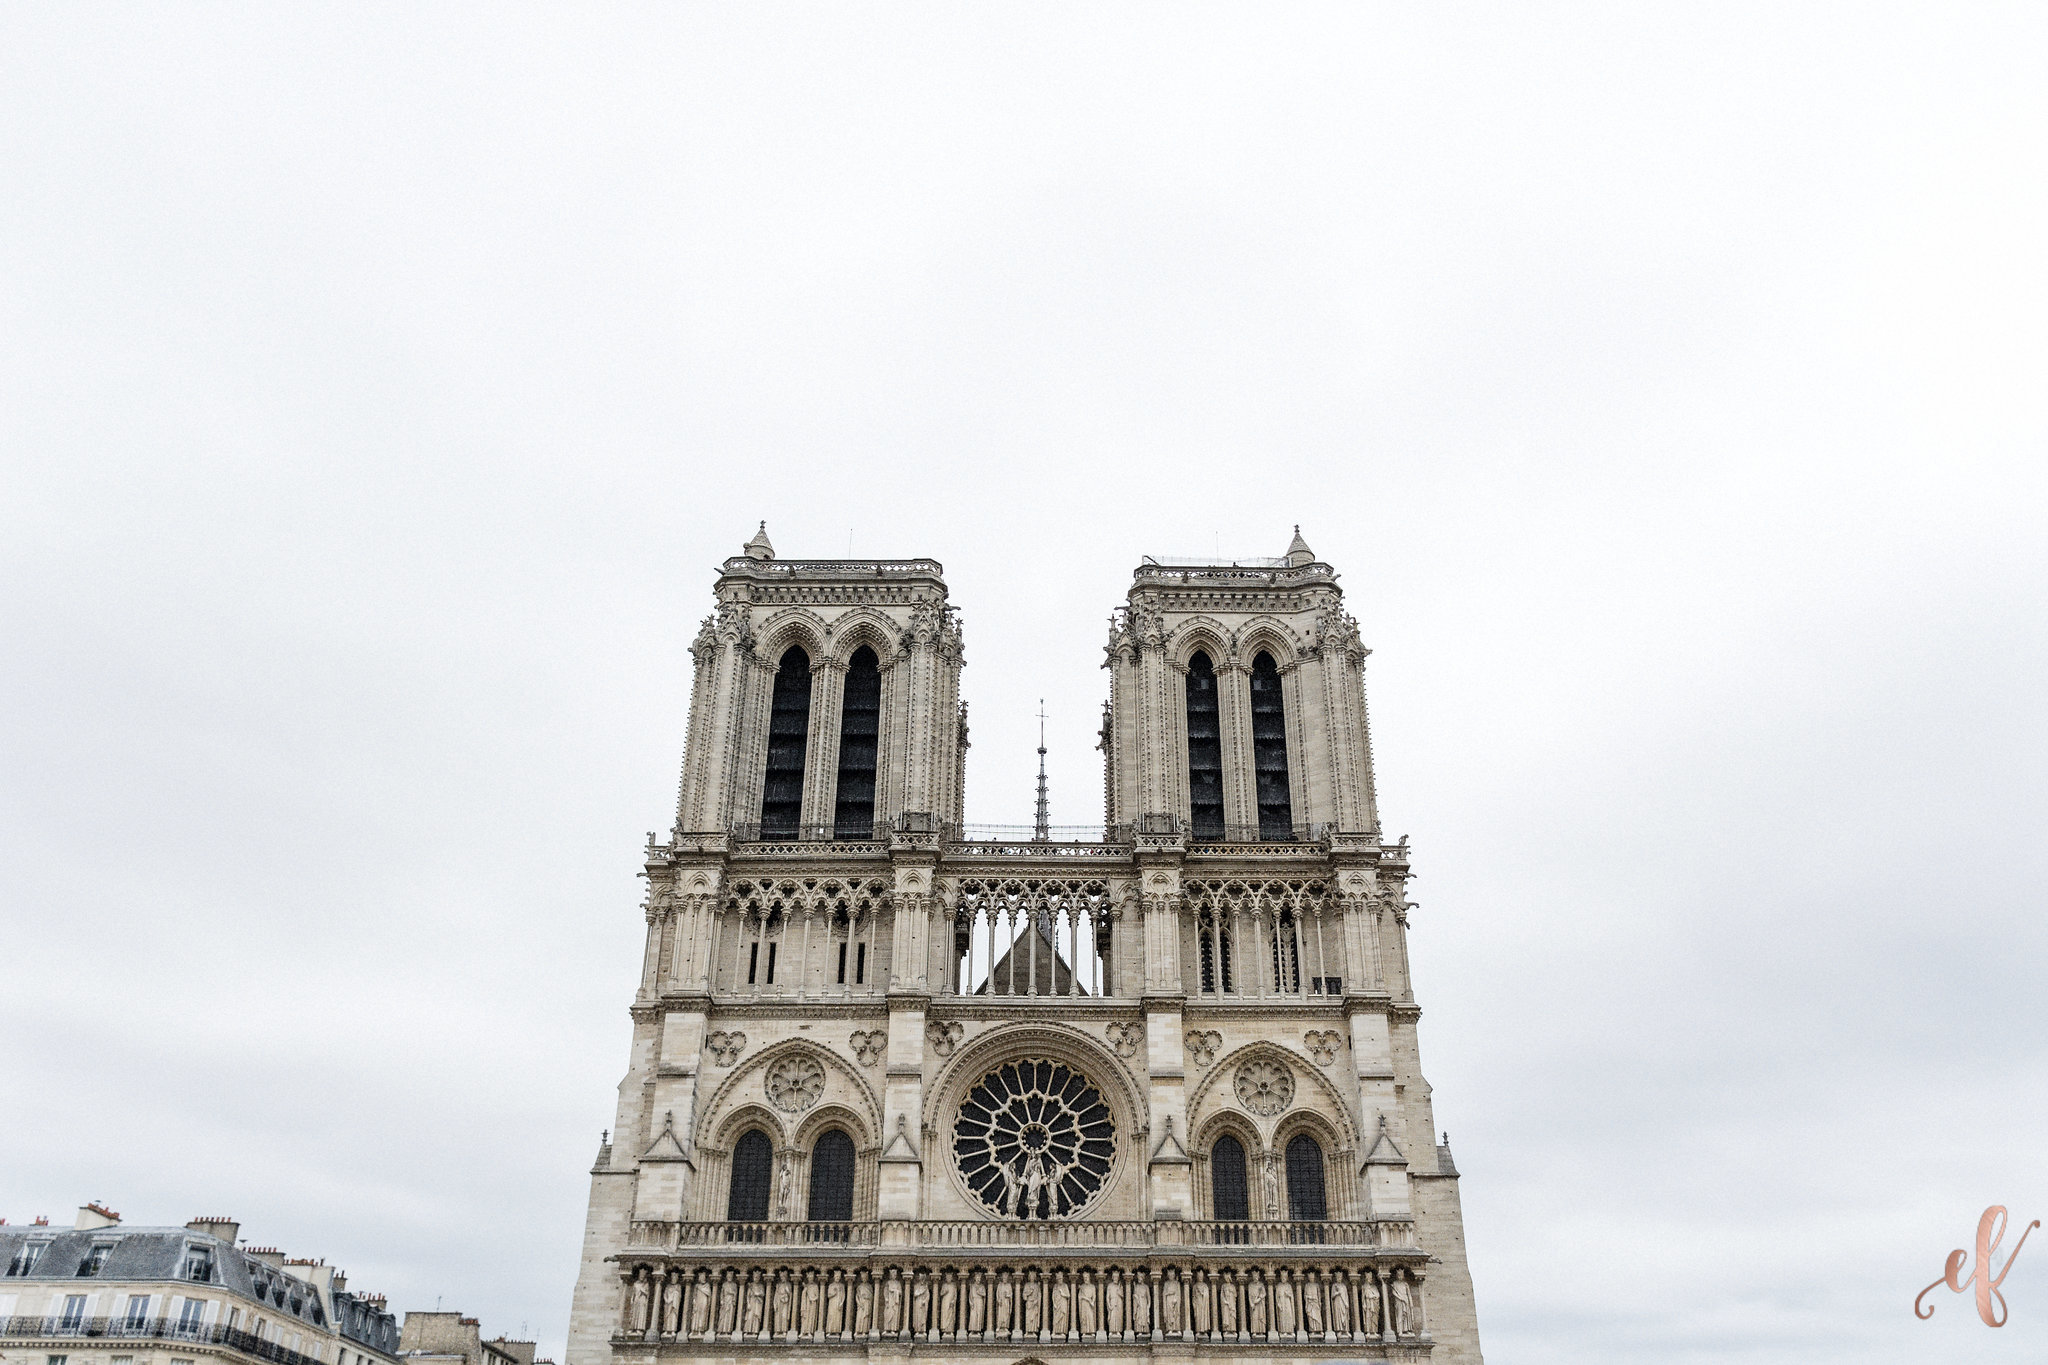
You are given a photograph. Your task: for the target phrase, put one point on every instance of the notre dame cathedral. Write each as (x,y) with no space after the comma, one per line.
(904,1087)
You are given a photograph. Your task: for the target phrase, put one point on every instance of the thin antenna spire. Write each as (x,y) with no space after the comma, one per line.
(1043,830)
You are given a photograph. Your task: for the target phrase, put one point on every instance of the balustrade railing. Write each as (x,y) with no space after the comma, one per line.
(654,1237)
(165,1329)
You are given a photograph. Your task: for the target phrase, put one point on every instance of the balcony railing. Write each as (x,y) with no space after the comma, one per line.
(162,1329)
(653,1237)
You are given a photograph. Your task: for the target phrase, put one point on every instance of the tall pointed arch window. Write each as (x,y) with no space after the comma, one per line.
(1306,1202)
(1269,750)
(1229,1196)
(860,722)
(753,1164)
(832,1177)
(1205,750)
(789,731)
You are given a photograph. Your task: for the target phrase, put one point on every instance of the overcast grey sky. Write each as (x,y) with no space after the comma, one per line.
(382,384)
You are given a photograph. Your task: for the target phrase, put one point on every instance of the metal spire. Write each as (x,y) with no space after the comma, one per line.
(1043,831)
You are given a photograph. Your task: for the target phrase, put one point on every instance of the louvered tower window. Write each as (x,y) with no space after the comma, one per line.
(753,1161)
(789,730)
(1227,1194)
(1305,1201)
(860,721)
(832,1178)
(1269,751)
(1205,750)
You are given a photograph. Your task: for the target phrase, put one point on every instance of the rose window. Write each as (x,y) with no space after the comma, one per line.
(1034,1140)
(795,1083)
(1264,1087)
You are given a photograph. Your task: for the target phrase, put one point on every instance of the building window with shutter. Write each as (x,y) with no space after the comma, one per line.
(1269,751)
(860,726)
(1205,750)
(789,731)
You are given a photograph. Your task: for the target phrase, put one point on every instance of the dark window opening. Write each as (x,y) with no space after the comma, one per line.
(771,962)
(1286,955)
(1228,1193)
(860,724)
(842,964)
(1212,939)
(860,965)
(1305,1201)
(832,1178)
(1205,750)
(1269,751)
(753,1162)
(753,959)
(789,730)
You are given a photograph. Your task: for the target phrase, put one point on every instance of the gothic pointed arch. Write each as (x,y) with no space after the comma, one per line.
(1312,1090)
(789,733)
(860,731)
(1273,790)
(1205,747)
(752,1177)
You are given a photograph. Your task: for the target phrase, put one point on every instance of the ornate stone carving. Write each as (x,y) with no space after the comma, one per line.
(1034,1140)
(1265,1086)
(1202,1045)
(725,1048)
(1323,1044)
(1127,1039)
(944,1036)
(869,1045)
(795,1082)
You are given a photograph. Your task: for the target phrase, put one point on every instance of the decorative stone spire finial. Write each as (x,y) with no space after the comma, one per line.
(1299,553)
(758,547)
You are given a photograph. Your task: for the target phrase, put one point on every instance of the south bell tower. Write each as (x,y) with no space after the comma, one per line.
(903,1086)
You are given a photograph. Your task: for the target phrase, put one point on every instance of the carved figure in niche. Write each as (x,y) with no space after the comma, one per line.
(1005,1300)
(1034,1185)
(1312,1301)
(1202,1044)
(1033,1304)
(794,1083)
(1284,1305)
(1369,1304)
(1085,1304)
(1113,1302)
(1265,1086)
(1340,1305)
(700,1304)
(728,1303)
(643,1300)
(807,1305)
(1226,1303)
(1255,1304)
(725,1048)
(1200,1304)
(1062,1305)
(785,1183)
(783,1300)
(835,1305)
(949,1304)
(864,1305)
(1404,1304)
(1141,1304)
(671,1304)
(752,1305)
(920,1302)
(977,1303)
(892,1303)
(1269,1176)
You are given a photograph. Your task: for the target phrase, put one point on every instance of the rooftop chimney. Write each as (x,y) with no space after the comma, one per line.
(226,1229)
(96,1215)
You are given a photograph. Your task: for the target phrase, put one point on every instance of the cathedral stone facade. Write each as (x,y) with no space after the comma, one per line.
(902,1087)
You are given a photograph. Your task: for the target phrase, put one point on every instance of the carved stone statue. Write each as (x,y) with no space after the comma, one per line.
(1369,1305)
(1034,1185)
(1255,1304)
(1284,1306)
(643,1300)
(1312,1301)
(1005,1298)
(1113,1303)
(977,1302)
(1201,1303)
(1226,1303)
(1033,1303)
(700,1304)
(807,1305)
(784,1300)
(864,1305)
(949,1304)
(920,1303)
(1085,1302)
(671,1304)
(1062,1305)
(835,1305)
(1170,1303)
(728,1303)
(1403,1295)
(1340,1305)
(1141,1305)
(752,1303)
(892,1304)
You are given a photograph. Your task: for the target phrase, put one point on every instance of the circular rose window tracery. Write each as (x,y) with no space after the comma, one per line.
(1034,1140)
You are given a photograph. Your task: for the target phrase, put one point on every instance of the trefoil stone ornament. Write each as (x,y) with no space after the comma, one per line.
(1127,1039)
(725,1048)
(944,1037)
(1202,1045)
(868,1045)
(795,1082)
(1265,1086)
(1322,1045)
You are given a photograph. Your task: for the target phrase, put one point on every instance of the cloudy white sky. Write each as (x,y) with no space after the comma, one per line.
(381,385)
